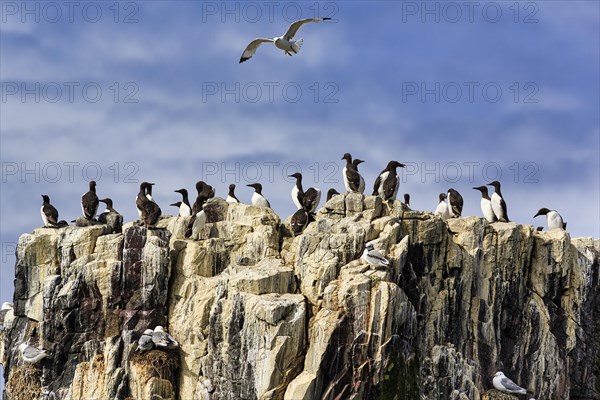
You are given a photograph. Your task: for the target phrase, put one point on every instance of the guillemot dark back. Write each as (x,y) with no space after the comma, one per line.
(49,213)
(361,185)
(198,219)
(455,201)
(89,202)
(387,182)
(350,174)
(300,220)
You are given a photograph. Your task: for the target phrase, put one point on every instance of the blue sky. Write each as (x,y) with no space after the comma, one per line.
(152,90)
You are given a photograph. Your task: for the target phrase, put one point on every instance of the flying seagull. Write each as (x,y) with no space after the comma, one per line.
(284,42)
(503,384)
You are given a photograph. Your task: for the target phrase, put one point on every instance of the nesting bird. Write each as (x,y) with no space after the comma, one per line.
(374,257)
(498,203)
(553,218)
(486,204)
(31,354)
(6,307)
(504,384)
(163,339)
(89,202)
(258,200)
(205,192)
(145,341)
(387,182)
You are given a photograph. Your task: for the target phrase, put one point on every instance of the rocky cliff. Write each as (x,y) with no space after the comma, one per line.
(261,314)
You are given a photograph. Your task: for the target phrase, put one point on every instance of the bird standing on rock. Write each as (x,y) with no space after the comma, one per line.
(498,203)
(258,200)
(486,204)
(185,209)
(387,182)
(89,202)
(442,208)
(505,385)
(553,218)
(455,203)
(374,257)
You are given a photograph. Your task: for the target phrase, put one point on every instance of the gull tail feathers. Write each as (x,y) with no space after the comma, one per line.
(297,45)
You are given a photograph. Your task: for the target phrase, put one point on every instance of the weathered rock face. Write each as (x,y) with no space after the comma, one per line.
(260,314)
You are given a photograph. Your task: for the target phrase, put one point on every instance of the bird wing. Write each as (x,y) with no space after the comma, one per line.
(390,186)
(51,213)
(510,385)
(291,32)
(311,199)
(503,204)
(377,184)
(251,48)
(353,179)
(31,352)
(90,202)
(456,201)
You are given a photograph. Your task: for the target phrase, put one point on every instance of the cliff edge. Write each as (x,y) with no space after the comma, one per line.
(261,314)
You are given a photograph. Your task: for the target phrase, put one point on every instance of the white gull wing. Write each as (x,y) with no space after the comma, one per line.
(251,48)
(504,384)
(291,32)
(31,354)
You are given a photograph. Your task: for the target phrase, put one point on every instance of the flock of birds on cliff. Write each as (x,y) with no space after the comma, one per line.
(386,186)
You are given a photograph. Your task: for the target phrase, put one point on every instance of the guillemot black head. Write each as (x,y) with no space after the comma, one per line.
(232,187)
(200,185)
(92,186)
(407,199)
(257,187)
(296,175)
(356,161)
(176,204)
(46,198)
(331,192)
(392,165)
(183,192)
(347,157)
(442,197)
(495,184)
(483,190)
(542,211)
(107,201)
